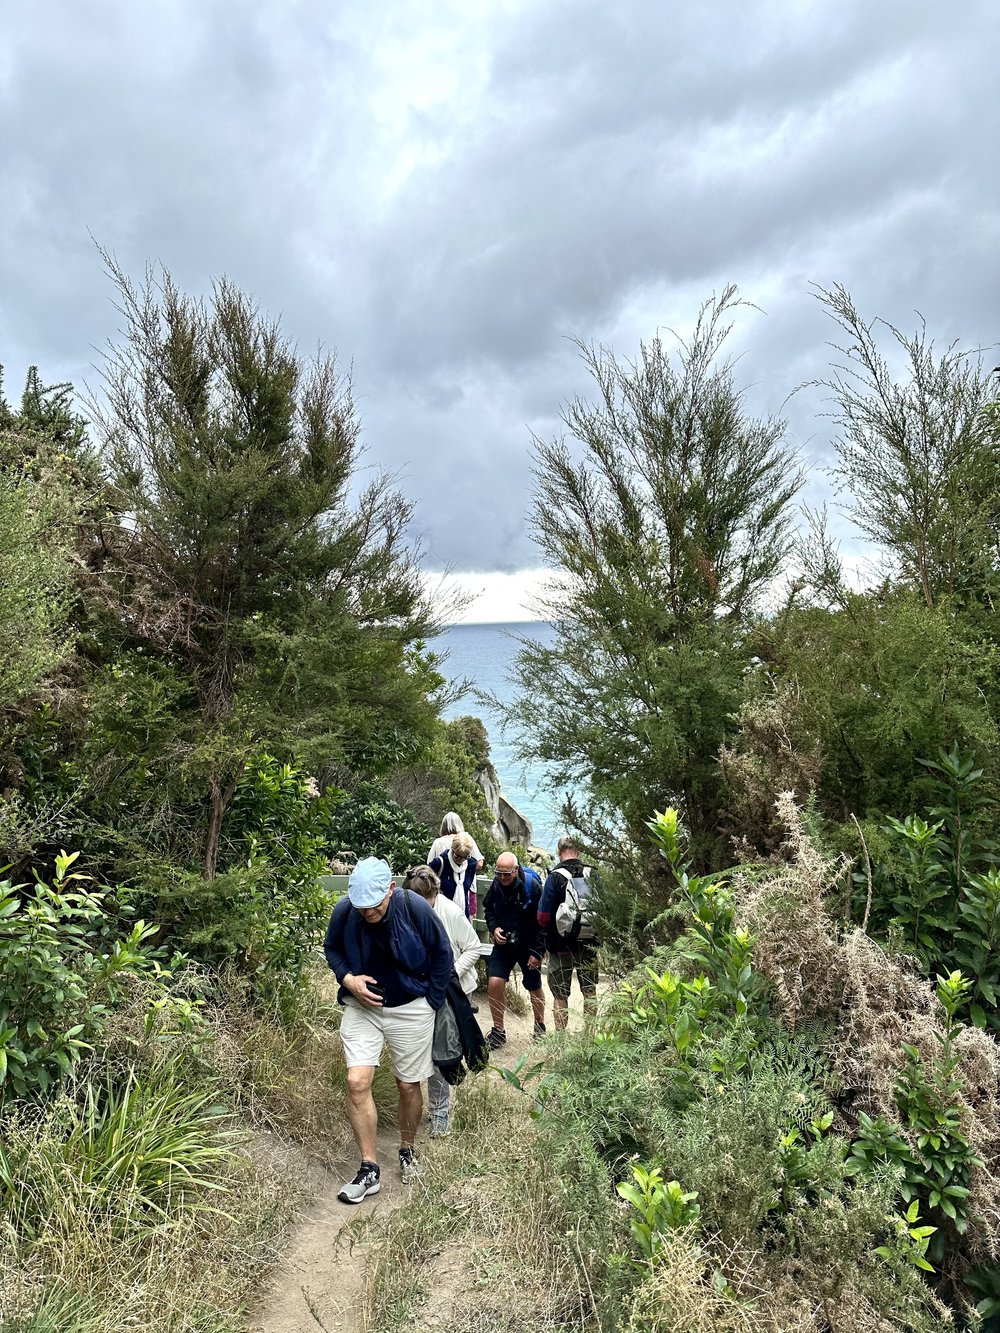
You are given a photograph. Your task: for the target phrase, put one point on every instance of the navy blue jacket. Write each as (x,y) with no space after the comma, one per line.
(421,948)
(515,907)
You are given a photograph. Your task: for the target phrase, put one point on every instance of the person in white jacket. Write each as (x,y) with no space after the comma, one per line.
(465,945)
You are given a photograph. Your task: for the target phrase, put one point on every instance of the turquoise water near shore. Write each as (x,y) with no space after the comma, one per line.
(482,654)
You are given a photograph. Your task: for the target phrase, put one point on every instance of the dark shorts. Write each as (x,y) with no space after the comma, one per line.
(562,966)
(501,964)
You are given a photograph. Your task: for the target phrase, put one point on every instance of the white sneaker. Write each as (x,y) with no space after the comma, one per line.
(364,1183)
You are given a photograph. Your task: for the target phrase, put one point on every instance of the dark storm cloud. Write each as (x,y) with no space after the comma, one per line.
(449,194)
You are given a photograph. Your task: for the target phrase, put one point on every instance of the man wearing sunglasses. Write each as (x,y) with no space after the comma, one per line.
(511,911)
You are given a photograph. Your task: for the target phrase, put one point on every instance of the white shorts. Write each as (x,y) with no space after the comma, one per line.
(407,1029)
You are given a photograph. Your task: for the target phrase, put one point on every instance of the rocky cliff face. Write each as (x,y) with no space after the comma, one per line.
(509,825)
(515,827)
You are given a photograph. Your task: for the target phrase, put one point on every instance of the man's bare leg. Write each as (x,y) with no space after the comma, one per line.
(411,1105)
(361,1110)
(496,988)
(560,1012)
(538,1005)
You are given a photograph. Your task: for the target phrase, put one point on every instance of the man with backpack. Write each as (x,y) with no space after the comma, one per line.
(511,911)
(565,914)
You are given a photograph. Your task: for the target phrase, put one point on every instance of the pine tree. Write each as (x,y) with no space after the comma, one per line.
(664,522)
(255,589)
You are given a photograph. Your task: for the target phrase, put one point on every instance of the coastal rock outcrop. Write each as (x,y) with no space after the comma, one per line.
(509,825)
(514,825)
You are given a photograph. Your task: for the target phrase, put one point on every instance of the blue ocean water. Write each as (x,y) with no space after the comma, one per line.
(483,654)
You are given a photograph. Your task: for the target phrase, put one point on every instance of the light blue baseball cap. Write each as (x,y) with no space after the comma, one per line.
(369,882)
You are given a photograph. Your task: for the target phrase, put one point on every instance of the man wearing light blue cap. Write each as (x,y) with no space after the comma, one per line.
(393,960)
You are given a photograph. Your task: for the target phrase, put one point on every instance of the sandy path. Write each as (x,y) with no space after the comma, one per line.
(321,1279)
(320,1283)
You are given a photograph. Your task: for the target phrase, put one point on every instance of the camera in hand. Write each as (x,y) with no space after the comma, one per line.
(375,988)
(512,937)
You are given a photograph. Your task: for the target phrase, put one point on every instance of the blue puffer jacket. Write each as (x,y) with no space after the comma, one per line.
(418,941)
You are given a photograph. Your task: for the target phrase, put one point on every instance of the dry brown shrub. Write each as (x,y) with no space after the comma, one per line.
(980,1070)
(678,1296)
(516,1000)
(884,1005)
(877,1002)
(785,1309)
(795,939)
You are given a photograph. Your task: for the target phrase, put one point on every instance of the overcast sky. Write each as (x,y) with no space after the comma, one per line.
(448,193)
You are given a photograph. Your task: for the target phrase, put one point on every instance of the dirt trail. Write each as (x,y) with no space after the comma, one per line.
(320,1283)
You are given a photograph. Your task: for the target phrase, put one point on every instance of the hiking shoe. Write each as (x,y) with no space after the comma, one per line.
(439,1125)
(409,1167)
(539,1032)
(496,1038)
(364,1183)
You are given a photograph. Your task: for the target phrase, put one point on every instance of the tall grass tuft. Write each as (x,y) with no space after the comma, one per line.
(131,1156)
(58,1311)
(105,1260)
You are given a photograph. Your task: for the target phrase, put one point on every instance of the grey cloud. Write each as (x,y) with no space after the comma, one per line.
(449,195)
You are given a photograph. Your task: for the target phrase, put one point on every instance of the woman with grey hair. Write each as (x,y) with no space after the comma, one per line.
(450,825)
(457,870)
(465,946)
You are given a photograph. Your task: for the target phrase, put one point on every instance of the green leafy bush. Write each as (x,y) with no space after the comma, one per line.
(368,822)
(659,1206)
(925,885)
(943,885)
(714,1115)
(262,913)
(62,963)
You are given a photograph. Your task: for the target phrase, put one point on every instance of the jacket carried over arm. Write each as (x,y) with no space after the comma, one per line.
(515,907)
(419,945)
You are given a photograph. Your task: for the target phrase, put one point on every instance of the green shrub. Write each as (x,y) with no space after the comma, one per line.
(368,822)
(658,1206)
(731,1144)
(607,1090)
(263,911)
(277,816)
(62,963)
(939,891)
